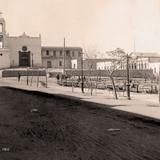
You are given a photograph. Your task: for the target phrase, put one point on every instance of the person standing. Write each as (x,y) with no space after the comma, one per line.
(19,77)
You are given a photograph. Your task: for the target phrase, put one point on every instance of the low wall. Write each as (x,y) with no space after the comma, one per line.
(146,74)
(14,73)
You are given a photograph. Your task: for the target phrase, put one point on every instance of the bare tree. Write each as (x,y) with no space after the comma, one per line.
(119,57)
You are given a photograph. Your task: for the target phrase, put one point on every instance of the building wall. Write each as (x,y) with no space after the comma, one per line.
(52,57)
(4,58)
(33,45)
(104,65)
(155,67)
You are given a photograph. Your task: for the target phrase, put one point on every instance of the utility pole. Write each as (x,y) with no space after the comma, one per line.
(128,81)
(64,56)
(159,86)
(32,60)
(82,85)
(27,76)
(46,79)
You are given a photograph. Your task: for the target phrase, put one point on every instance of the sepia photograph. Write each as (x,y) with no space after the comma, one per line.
(80,80)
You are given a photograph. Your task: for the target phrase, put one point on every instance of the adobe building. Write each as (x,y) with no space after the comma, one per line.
(21,51)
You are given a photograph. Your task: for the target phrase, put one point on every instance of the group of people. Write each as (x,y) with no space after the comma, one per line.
(61,77)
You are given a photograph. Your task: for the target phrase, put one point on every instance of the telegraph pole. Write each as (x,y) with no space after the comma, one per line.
(32,60)
(128,81)
(82,85)
(64,56)
(159,86)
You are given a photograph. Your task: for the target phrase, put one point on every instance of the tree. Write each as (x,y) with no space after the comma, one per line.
(118,56)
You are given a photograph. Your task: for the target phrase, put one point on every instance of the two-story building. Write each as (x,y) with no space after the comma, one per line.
(60,57)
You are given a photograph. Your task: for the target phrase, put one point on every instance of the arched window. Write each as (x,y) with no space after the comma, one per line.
(135,66)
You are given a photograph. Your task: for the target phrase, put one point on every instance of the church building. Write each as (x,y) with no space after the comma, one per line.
(21,51)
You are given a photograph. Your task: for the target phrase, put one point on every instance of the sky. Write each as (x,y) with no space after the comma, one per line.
(95,25)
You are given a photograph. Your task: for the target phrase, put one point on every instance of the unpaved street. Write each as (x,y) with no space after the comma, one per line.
(66,129)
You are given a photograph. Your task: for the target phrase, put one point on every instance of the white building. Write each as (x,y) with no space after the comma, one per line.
(138,61)
(106,65)
(146,61)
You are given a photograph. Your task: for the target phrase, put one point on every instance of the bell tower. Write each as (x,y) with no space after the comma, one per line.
(4,51)
(2,32)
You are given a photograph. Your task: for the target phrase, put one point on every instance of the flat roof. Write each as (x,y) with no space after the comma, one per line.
(60,47)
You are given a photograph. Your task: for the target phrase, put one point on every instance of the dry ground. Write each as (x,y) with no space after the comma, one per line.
(66,129)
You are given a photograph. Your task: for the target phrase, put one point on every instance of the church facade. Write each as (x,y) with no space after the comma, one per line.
(21,51)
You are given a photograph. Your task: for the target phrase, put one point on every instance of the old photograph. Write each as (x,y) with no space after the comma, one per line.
(80,80)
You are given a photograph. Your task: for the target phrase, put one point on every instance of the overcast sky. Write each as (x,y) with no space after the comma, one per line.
(99,25)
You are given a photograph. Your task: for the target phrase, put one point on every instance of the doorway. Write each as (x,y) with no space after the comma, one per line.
(24,59)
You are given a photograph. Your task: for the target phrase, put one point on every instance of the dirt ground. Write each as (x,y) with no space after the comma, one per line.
(66,129)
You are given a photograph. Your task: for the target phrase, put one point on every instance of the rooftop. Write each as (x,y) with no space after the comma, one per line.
(146,54)
(60,47)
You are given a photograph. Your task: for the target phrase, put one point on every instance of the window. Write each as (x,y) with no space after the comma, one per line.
(60,63)
(60,53)
(47,52)
(132,66)
(74,66)
(24,48)
(79,54)
(54,53)
(49,64)
(67,53)
(135,66)
(72,53)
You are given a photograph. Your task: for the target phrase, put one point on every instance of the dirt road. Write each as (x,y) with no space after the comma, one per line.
(65,129)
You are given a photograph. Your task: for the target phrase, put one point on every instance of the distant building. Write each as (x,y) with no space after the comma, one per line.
(53,57)
(138,61)
(106,64)
(93,63)
(146,61)
(21,51)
